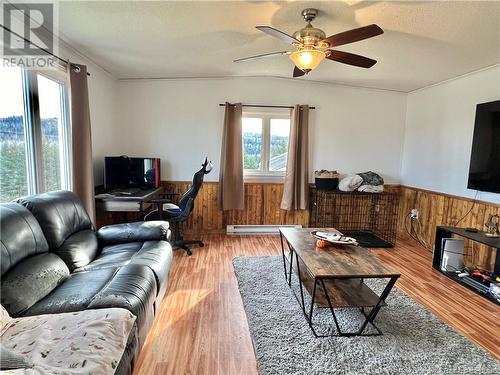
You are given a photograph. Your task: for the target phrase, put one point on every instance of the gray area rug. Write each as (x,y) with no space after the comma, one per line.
(414,341)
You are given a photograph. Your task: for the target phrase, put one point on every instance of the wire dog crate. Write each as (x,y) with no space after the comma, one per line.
(371,218)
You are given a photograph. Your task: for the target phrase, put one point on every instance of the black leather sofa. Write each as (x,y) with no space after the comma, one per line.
(53,261)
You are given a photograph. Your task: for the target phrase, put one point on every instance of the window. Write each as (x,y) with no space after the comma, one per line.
(34,135)
(53,134)
(265,144)
(13,162)
(252,143)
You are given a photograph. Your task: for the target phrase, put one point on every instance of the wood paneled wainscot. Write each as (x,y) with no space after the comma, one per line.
(443,209)
(262,206)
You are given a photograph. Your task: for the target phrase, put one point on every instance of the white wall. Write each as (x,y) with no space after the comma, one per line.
(102,96)
(439,129)
(180,121)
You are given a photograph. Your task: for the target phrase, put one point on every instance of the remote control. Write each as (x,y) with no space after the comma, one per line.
(472,230)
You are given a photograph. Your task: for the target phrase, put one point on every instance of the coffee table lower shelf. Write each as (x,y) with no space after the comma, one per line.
(335,293)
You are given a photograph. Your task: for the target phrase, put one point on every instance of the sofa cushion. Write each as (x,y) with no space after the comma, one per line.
(30,280)
(79,249)
(12,360)
(21,235)
(156,255)
(84,342)
(74,294)
(133,288)
(113,256)
(60,214)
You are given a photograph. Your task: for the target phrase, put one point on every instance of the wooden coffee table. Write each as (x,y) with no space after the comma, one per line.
(334,277)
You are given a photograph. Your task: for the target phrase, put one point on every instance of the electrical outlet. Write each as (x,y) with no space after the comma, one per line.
(414,213)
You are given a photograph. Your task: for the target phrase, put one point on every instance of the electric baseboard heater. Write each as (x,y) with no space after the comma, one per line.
(257,229)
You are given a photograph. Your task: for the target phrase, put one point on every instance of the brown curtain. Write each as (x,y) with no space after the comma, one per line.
(81,139)
(231,188)
(295,191)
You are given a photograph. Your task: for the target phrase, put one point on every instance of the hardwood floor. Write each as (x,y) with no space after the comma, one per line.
(201,327)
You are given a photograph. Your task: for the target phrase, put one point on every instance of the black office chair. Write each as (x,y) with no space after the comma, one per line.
(176,214)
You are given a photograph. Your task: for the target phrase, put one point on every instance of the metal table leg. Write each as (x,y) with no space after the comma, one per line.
(300,284)
(312,301)
(302,303)
(375,310)
(369,317)
(283,255)
(291,266)
(331,307)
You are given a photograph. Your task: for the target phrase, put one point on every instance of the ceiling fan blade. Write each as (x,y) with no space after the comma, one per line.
(354,35)
(278,34)
(271,54)
(351,59)
(298,72)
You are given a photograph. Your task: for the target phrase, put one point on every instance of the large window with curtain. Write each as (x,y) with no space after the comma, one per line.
(34,133)
(265,144)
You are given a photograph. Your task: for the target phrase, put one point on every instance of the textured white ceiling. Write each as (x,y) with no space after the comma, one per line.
(424,42)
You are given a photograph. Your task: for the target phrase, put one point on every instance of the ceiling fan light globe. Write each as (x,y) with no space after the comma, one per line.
(307,60)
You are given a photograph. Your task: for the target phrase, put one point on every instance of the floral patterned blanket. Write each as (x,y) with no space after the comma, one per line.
(84,342)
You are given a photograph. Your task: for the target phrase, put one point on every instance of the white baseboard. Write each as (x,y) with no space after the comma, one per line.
(257,229)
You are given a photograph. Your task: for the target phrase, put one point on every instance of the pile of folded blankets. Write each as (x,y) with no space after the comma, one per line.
(368,182)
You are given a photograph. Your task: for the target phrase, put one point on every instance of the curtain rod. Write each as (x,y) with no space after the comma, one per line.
(264,106)
(37,46)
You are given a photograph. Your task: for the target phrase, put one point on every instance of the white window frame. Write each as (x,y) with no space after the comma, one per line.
(33,134)
(264,174)
(65,156)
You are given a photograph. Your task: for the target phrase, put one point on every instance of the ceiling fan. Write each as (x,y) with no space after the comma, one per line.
(312,45)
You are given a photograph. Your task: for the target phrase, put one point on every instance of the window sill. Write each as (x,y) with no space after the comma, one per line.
(264,178)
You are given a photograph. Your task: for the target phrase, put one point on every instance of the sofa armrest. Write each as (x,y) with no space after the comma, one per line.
(134,232)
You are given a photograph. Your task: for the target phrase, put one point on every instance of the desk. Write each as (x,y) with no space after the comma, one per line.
(127,200)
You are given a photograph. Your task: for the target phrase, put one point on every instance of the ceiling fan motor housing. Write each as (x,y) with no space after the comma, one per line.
(310,35)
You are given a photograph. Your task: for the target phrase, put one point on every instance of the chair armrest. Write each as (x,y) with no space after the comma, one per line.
(133,232)
(168,195)
(160,200)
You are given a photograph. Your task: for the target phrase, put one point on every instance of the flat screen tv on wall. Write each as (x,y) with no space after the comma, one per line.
(484,170)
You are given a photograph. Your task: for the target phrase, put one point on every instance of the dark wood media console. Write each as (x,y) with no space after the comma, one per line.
(480,237)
